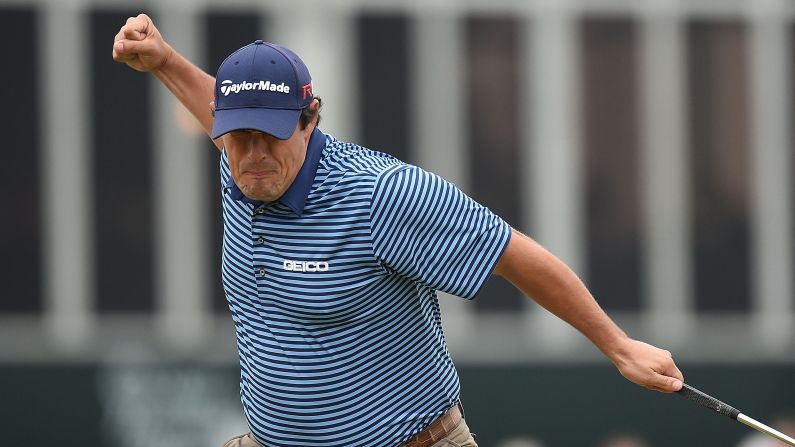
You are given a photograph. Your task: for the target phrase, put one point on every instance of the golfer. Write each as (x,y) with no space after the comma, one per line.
(332,258)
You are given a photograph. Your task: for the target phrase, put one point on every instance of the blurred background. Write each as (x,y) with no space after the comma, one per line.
(648,143)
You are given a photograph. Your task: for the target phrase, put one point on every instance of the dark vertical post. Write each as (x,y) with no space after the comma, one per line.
(20,183)
(123,194)
(719,153)
(611,155)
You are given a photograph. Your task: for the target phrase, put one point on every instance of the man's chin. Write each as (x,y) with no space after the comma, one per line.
(260,196)
(259,190)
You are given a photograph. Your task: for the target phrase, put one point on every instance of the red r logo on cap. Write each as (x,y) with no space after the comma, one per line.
(307,90)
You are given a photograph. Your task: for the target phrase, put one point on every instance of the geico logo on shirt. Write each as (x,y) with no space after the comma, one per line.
(308,266)
(228,87)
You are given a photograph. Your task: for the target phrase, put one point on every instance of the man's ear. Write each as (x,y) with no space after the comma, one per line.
(316,107)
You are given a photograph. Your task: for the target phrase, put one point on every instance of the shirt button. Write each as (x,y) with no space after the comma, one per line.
(261,240)
(261,272)
(260,210)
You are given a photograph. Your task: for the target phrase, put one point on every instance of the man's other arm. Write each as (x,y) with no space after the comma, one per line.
(545,278)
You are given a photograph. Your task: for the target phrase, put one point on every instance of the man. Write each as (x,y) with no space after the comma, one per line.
(332,257)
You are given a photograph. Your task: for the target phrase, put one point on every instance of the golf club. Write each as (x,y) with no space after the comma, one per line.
(710,402)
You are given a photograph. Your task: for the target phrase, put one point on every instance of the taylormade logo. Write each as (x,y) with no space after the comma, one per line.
(228,87)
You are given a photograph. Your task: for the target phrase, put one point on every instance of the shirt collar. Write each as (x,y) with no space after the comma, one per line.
(296,195)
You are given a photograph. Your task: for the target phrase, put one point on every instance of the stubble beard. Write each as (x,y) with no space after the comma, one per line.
(261,191)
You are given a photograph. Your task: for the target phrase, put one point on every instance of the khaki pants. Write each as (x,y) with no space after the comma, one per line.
(459,437)
(242,441)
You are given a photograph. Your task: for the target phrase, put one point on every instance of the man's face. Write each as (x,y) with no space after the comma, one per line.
(263,166)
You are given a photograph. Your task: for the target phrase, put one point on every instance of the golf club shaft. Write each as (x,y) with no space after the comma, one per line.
(756,425)
(713,404)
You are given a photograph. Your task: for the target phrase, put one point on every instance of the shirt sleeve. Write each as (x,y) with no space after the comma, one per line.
(427,229)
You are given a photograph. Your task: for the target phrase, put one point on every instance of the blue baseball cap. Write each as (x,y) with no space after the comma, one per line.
(262,86)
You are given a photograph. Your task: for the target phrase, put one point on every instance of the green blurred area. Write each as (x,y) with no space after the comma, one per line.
(562,405)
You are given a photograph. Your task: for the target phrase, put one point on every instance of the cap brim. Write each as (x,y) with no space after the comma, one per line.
(277,122)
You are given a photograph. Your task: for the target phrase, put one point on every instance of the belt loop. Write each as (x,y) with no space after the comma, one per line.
(461,409)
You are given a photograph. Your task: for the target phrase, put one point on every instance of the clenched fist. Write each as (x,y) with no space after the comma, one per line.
(140,45)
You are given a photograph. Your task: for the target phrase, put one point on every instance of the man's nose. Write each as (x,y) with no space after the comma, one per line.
(259,147)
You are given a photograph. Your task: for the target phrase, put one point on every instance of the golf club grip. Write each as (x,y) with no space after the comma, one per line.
(705,400)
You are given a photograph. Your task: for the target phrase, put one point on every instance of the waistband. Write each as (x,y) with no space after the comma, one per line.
(439,429)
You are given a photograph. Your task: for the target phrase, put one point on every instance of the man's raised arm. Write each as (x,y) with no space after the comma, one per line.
(140,45)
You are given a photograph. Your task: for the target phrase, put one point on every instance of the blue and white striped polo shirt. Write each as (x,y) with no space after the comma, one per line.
(332,291)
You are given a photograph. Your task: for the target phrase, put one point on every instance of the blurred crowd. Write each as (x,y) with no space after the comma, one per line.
(784,422)
(616,440)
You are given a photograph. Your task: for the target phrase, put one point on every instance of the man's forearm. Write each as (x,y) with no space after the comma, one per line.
(542,276)
(546,279)
(191,85)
